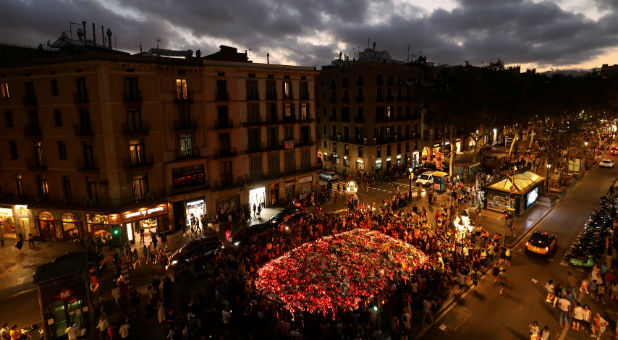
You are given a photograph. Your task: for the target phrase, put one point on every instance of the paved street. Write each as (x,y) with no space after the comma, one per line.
(484,314)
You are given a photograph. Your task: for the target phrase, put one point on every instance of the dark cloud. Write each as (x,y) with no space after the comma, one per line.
(517,31)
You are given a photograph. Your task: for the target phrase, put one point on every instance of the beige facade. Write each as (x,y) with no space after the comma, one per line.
(113,134)
(370,115)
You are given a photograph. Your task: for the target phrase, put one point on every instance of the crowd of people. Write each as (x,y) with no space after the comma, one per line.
(237,309)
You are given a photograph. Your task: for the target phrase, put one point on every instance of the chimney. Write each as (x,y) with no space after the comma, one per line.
(198,54)
(268,58)
(109,38)
(85,34)
(94,35)
(102,36)
(374,45)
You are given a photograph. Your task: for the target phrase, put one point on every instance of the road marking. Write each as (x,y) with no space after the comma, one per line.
(535,281)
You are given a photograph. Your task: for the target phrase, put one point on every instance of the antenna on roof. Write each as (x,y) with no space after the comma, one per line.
(71,29)
(408,53)
(140,48)
(158,40)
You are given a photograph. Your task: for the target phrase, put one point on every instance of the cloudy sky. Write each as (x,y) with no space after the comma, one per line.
(543,34)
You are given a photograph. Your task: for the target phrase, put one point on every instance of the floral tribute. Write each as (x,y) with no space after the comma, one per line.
(339,271)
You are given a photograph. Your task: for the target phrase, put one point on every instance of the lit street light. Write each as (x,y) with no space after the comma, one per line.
(411,175)
(547,174)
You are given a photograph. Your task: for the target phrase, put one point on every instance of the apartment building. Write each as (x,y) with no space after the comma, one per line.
(370,115)
(96,138)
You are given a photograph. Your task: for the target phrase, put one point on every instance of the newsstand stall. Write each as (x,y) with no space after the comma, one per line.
(64,298)
(518,194)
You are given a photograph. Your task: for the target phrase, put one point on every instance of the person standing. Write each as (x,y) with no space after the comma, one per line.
(102,326)
(502,279)
(30,241)
(125,329)
(545,333)
(535,332)
(564,305)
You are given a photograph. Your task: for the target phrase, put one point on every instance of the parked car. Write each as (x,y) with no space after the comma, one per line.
(207,246)
(328,176)
(542,243)
(425,179)
(606,163)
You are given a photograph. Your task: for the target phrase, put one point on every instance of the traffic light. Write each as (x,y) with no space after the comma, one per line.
(116,231)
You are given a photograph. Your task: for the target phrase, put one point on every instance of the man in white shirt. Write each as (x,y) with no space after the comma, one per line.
(564,305)
(578,316)
(73,332)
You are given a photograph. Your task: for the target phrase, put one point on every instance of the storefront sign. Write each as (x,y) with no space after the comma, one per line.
(64,294)
(97,219)
(142,213)
(129,232)
(5,212)
(194,204)
(437,145)
(69,217)
(46,216)
(289,184)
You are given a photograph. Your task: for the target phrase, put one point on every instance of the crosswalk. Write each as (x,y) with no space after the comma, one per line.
(389,188)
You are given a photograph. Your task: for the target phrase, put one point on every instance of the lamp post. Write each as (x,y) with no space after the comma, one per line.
(345,165)
(547,174)
(410,176)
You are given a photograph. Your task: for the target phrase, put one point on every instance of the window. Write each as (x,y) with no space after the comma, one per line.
(66,188)
(398,148)
(222,115)
(273,138)
(379,151)
(287,89)
(226,172)
(43,188)
(344,83)
(57,117)
(140,186)
(13,148)
(38,154)
(288,111)
(88,151)
(288,133)
(185,146)
(360,152)
(324,129)
(19,185)
(34,120)
(4,91)
(8,116)
(252,90)
(255,168)
(82,94)
(134,120)
(136,151)
(224,142)
(93,193)
(273,163)
(359,81)
(222,90)
(325,145)
(273,115)
(304,111)
(305,137)
(254,139)
(271,90)
(84,121)
(379,80)
(253,112)
(181,89)
(131,91)
(62,151)
(304,90)
(54,87)
(305,158)
(334,147)
(388,150)
(289,161)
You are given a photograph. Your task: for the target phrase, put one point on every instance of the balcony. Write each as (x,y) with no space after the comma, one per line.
(32,130)
(360,99)
(223,124)
(225,153)
(81,98)
(359,119)
(345,99)
(333,100)
(228,182)
(255,121)
(85,166)
(132,97)
(304,95)
(252,96)
(135,129)
(183,100)
(288,119)
(222,96)
(307,119)
(144,162)
(36,164)
(83,130)
(390,98)
(185,124)
(187,154)
(271,95)
(304,142)
(379,98)
(30,100)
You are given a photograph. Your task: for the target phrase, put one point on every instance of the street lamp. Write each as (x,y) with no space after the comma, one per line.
(410,176)
(345,161)
(547,174)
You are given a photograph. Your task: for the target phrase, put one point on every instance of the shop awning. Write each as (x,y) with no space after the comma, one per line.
(523,182)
